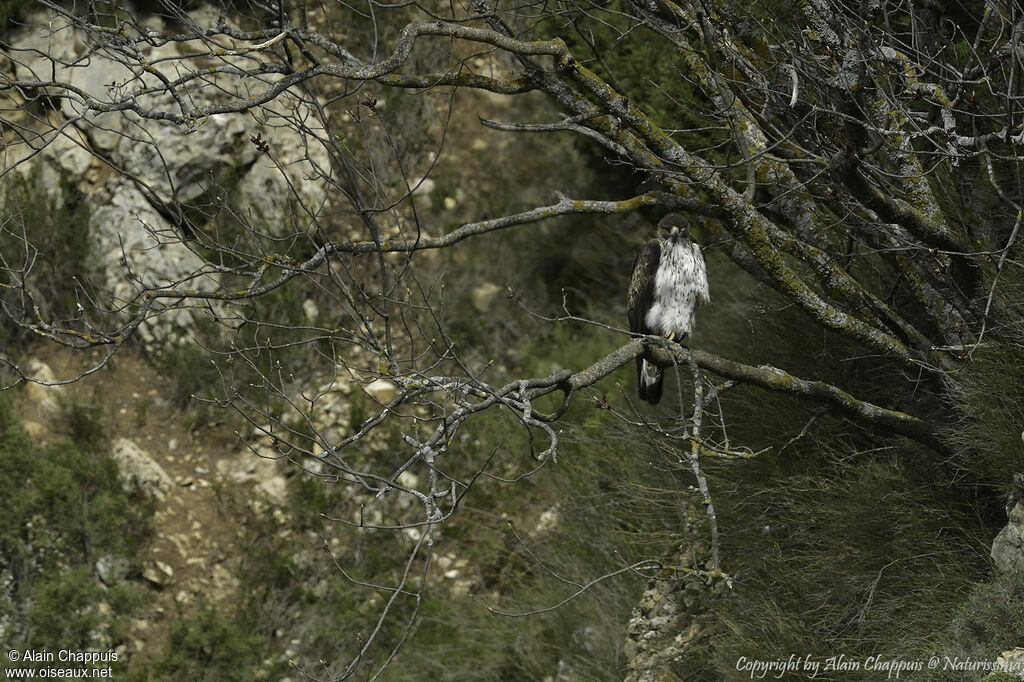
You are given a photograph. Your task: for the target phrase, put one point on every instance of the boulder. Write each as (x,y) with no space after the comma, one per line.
(112,569)
(180,164)
(274,490)
(1008,547)
(250,466)
(422,187)
(381,390)
(131,238)
(158,572)
(33,428)
(140,471)
(1012,662)
(310,310)
(38,390)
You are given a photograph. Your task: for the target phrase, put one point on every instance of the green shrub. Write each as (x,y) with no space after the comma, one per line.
(12,12)
(205,644)
(64,610)
(989,621)
(63,508)
(50,233)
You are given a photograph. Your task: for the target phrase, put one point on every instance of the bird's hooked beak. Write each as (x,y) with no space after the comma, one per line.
(675,234)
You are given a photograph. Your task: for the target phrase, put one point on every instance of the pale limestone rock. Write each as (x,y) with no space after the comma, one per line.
(548,520)
(178,162)
(409,480)
(381,390)
(274,490)
(1008,547)
(277,181)
(422,187)
(38,391)
(112,569)
(158,572)
(33,428)
(484,295)
(225,584)
(103,79)
(1012,662)
(140,471)
(249,466)
(310,310)
(44,33)
(182,165)
(70,153)
(129,235)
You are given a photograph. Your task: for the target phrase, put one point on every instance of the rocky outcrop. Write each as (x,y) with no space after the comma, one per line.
(665,622)
(141,472)
(381,390)
(135,249)
(112,570)
(135,172)
(158,572)
(41,387)
(1008,547)
(671,616)
(1011,663)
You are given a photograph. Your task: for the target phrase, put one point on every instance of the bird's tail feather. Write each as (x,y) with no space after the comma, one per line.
(649,381)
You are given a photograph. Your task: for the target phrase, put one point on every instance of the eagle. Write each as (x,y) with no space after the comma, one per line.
(669,281)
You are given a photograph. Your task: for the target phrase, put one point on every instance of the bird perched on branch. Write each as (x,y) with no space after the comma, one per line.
(669,281)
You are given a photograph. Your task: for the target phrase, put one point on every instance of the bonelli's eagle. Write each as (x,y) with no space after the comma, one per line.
(669,281)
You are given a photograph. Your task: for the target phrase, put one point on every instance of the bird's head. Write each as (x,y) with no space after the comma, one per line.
(674,227)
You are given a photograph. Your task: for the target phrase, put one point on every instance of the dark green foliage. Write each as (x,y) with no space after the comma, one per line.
(63,508)
(612,508)
(614,505)
(64,505)
(840,538)
(854,554)
(989,390)
(293,588)
(206,644)
(513,569)
(988,622)
(647,69)
(191,370)
(45,240)
(82,423)
(848,541)
(12,11)
(64,609)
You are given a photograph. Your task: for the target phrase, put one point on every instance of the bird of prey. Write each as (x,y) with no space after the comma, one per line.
(669,281)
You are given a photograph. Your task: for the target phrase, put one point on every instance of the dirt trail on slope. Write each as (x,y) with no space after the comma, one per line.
(195,548)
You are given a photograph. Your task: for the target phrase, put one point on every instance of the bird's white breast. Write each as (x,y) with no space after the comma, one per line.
(680,283)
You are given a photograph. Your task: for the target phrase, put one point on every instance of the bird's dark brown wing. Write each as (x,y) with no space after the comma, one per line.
(640,296)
